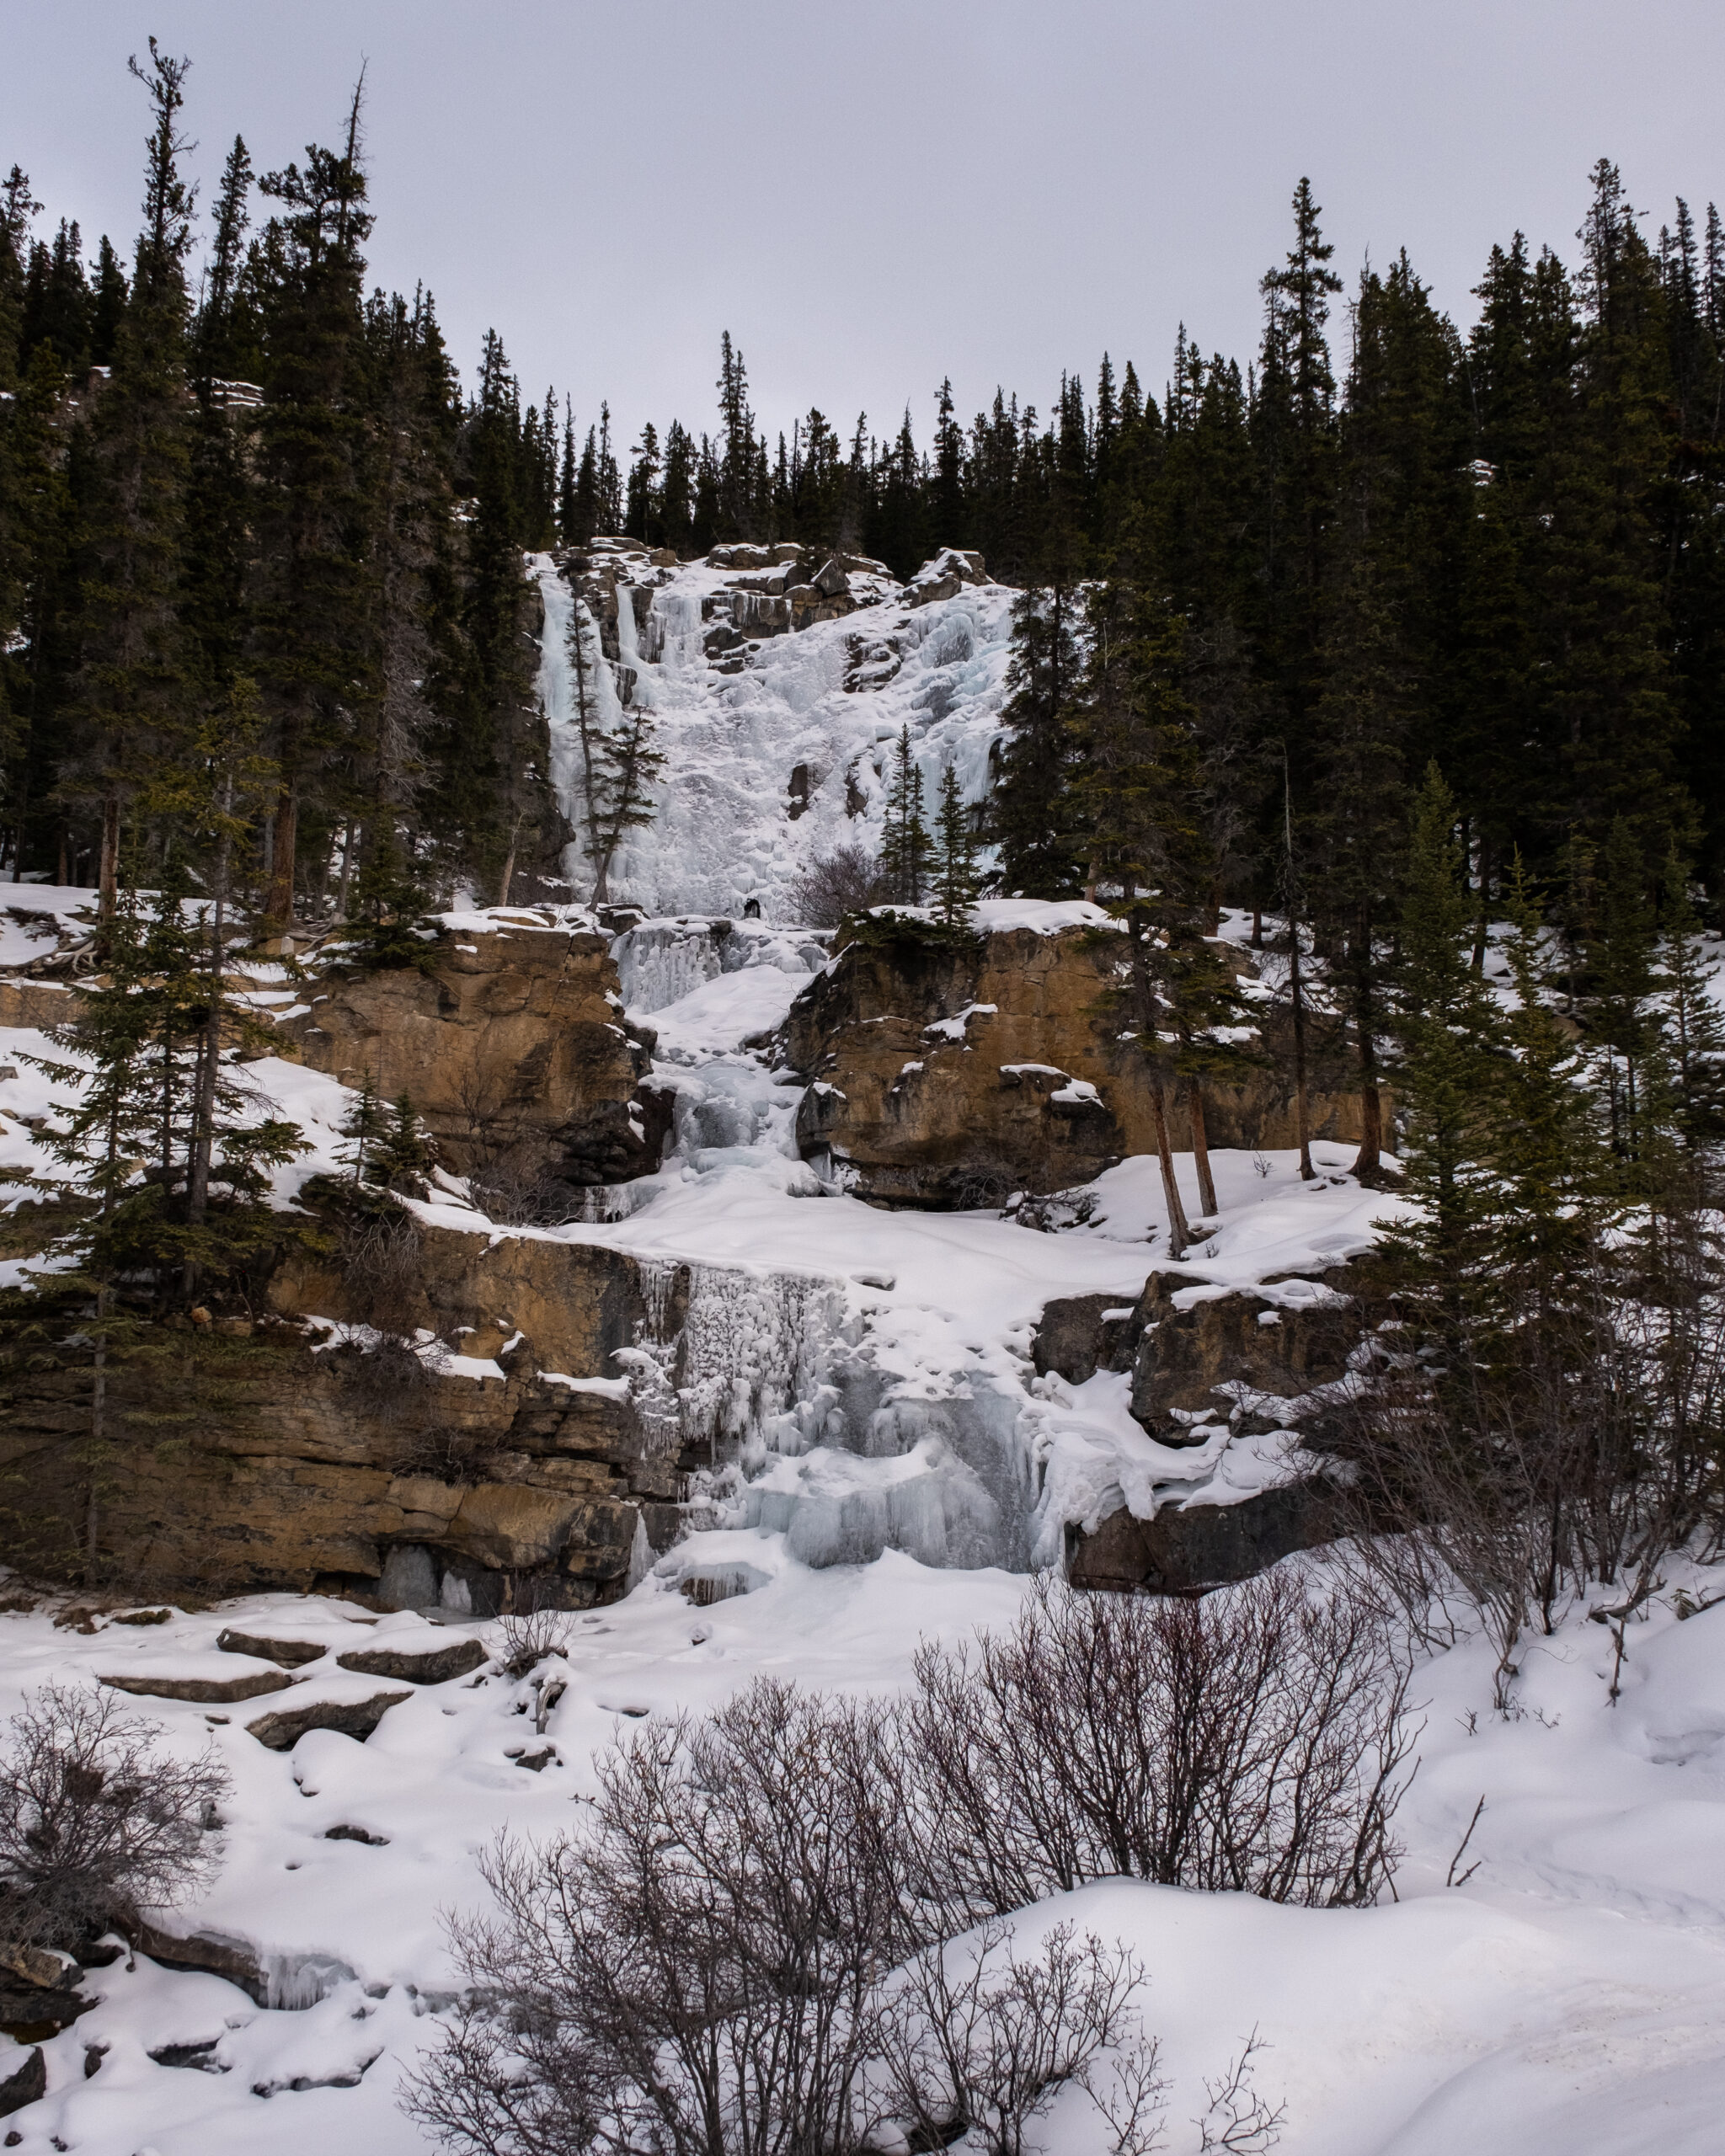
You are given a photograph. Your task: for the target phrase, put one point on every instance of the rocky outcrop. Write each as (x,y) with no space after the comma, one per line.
(205,1691)
(1242,1354)
(954,1073)
(1188,1548)
(241,1462)
(432,1666)
(512,1046)
(1258,1360)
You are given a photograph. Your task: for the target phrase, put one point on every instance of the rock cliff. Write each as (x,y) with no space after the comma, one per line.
(953,1074)
(512,1046)
(240,1457)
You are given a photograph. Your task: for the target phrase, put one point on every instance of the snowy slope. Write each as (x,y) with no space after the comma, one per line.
(1569,2001)
(723,832)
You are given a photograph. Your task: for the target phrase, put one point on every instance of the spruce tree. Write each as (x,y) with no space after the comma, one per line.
(955,879)
(1136,798)
(1028,806)
(132,673)
(313,594)
(904,846)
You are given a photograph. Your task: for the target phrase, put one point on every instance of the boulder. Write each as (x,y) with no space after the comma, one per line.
(427,1666)
(945,576)
(355,1718)
(1278,1345)
(830,580)
(209,1691)
(1187,1549)
(290,1654)
(27,2083)
(1077,1336)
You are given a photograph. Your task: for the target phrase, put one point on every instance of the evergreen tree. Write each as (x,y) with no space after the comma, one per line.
(312,594)
(1028,809)
(131,676)
(955,878)
(1137,796)
(904,846)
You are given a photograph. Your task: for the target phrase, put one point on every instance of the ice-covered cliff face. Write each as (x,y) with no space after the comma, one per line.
(777,718)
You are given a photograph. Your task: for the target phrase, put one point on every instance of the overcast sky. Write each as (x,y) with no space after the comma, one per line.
(872,195)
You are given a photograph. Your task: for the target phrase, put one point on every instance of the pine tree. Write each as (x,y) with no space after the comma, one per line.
(956,881)
(1028,806)
(132,673)
(313,594)
(364,1128)
(904,846)
(1293,433)
(1136,797)
(627,764)
(404,1153)
(1694,1022)
(216,349)
(1361,725)
(1447,1031)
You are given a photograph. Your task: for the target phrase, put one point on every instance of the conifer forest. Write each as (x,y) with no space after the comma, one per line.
(862,1289)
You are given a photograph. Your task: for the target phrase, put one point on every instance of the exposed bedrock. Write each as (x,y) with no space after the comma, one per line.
(247,1462)
(952,1076)
(513,1049)
(1259,1360)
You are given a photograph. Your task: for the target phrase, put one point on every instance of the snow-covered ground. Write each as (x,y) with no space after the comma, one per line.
(1568,2001)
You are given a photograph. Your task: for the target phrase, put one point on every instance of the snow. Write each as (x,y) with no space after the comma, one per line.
(723,832)
(1568,2001)
(896,1467)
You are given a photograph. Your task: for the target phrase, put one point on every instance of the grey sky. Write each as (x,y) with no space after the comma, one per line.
(873,195)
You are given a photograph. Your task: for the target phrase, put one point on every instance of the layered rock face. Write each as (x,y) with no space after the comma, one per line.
(513,1049)
(953,1076)
(243,1462)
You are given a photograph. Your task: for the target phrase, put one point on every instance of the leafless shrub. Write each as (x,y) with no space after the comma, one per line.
(835,883)
(738,1953)
(514,1192)
(690,1970)
(1054,1212)
(388,1382)
(94,1823)
(979,2042)
(1254,1740)
(380,1250)
(1238,2121)
(532,1631)
(1508,1472)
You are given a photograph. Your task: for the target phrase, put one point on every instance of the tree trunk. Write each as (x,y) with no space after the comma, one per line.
(1483,923)
(1179,1235)
(99,1434)
(1302,1102)
(278,897)
(347,870)
(1368,1161)
(204,1113)
(1257,928)
(1201,1149)
(108,874)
